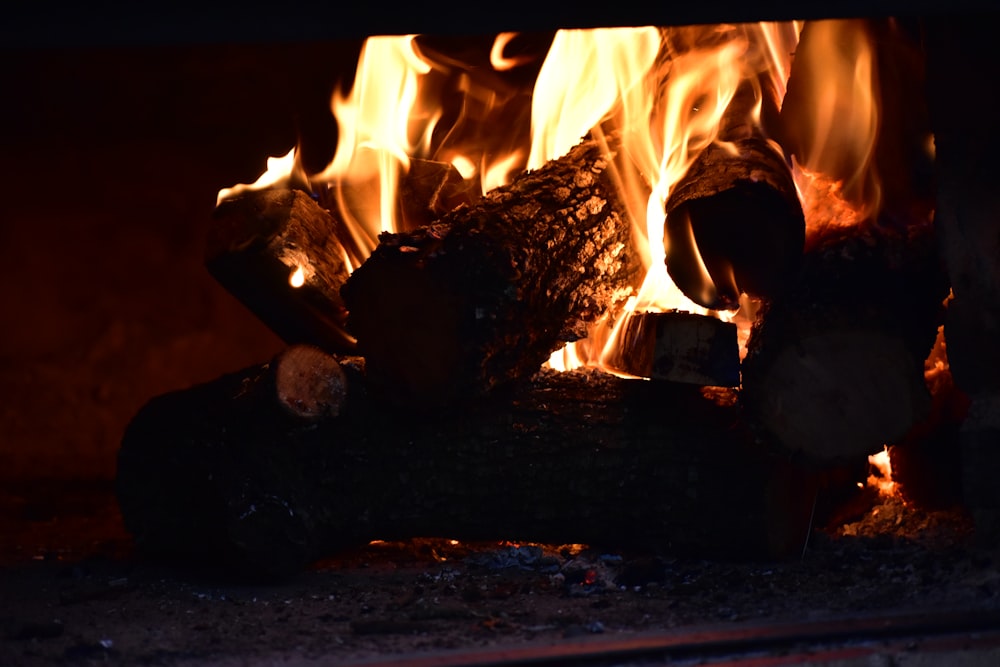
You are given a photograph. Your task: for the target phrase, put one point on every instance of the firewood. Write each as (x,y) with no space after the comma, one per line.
(209,473)
(309,383)
(834,368)
(679,347)
(735,214)
(277,251)
(482,297)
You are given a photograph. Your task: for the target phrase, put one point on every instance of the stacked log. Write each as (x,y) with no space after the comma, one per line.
(222,472)
(483,296)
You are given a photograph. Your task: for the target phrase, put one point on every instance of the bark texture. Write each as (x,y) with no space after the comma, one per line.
(258,240)
(217,472)
(482,297)
(834,368)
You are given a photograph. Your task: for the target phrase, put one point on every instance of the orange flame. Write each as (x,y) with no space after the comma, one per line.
(836,123)
(881,478)
(665,90)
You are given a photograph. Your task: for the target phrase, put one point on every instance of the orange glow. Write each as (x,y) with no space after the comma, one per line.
(664,91)
(837,125)
(881,478)
(498,60)
(298,277)
(279,173)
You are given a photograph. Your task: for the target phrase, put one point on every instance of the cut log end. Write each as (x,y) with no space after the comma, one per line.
(839,396)
(738,218)
(277,252)
(310,383)
(679,347)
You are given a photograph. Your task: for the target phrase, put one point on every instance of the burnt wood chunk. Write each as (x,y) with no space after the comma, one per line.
(217,473)
(309,383)
(484,295)
(835,367)
(679,347)
(257,243)
(735,215)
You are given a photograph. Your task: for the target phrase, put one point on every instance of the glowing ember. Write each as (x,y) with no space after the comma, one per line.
(881,478)
(298,277)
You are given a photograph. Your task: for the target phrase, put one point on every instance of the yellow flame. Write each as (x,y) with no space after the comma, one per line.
(585,74)
(375,121)
(298,277)
(500,62)
(279,172)
(838,124)
(668,90)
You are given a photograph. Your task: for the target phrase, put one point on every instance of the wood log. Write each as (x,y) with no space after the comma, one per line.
(735,214)
(259,241)
(309,383)
(834,368)
(483,296)
(215,473)
(679,347)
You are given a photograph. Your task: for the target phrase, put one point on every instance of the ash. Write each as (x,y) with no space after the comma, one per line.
(75,593)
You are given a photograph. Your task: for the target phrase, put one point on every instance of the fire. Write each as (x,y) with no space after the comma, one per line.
(833,132)
(881,477)
(281,171)
(665,91)
(298,277)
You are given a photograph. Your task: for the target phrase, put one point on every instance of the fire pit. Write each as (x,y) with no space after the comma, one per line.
(734,519)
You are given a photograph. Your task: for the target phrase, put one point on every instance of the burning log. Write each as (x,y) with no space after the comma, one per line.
(277,252)
(679,347)
(221,472)
(834,368)
(483,296)
(735,214)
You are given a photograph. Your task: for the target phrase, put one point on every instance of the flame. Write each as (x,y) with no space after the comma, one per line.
(664,90)
(668,91)
(836,125)
(281,171)
(881,478)
(298,277)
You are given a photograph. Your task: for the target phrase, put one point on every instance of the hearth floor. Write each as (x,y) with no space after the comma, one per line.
(914,583)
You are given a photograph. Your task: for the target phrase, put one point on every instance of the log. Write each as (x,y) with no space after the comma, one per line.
(679,347)
(257,243)
(216,474)
(309,383)
(735,214)
(834,368)
(482,297)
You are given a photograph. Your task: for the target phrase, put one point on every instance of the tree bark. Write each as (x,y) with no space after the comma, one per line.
(834,368)
(735,215)
(219,473)
(259,240)
(483,296)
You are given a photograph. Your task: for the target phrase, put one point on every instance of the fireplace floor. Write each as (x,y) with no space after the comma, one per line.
(908,582)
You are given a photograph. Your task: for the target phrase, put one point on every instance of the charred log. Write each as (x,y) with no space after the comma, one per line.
(259,240)
(735,214)
(679,347)
(218,473)
(483,296)
(835,367)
